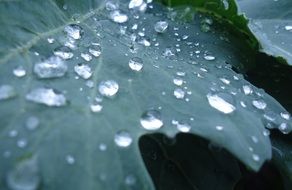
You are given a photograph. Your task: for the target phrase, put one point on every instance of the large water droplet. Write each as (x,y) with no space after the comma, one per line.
(220,103)
(151,120)
(136,64)
(74,31)
(179,93)
(123,139)
(83,71)
(25,175)
(7,92)
(50,68)
(108,88)
(161,26)
(63,52)
(259,104)
(19,71)
(46,96)
(118,17)
(288,28)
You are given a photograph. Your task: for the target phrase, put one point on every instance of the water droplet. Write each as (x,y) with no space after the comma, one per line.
(110,6)
(284,128)
(13,133)
(179,93)
(21,143)
(259,104)
(74,31)
(108,88)
(50,68)
(86,56)
(95,50)
(130,180)
(83,71)
(51,40)
(254,139)
(256,157)
(220,103)
(209,57)
(161,26)
(135,4)
(25,175)
(168,53)
(183,127)
(7,92)
(219,128)
(19,71)
(96,108)
(247,89)
(32,123)
(118,17)
(151,120)
(46,96)
(102,147)
(136,64)
(180,73)
(89,83)
(123,139)
(285,115)
(225,81)
(70,159)
(145,42)
(266,133)
(178,81)
(288,28)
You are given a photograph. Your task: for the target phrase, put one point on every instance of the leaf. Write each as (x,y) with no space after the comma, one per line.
(272,26)
(63,127)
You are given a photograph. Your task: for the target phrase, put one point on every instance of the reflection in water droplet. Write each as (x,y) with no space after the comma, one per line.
(136,64)
(256,157)
(19,71)
(259,104)
(179,93)
(151,120)
(118,17)
(219,128)
(32,123)
(123,139)
(63,52)
(7,92)
(220,104)
(74,31)
(108,88)
(25,175)
(161,26)
(95,50)
(83,71)
(50,68)
(86,56)
(46,96)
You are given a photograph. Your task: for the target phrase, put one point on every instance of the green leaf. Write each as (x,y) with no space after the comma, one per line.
(52,138)
(272,26)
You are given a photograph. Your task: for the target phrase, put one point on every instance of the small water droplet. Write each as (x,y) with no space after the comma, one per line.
(95,50)
(32,123)
(136,64)
(266,133)
(86,56)
(118,17)
(130,180)
(254,139)
(51,40)
(247,89)
(19,71)
(63,52)
(209,57)
(135,4)
(108,88)
(179,93)
(161,26)
(284,128)
(96,108)
(178,81)
(51,68)
(7,92)
(168,53)
(183,127)
(46,96)
(13,133)
(21,143)
(110,6)
(225,81)
(259,104)
(219,128)
(83,71)
(288,28)
(151,120)
(256,157)
(285,115)
(74,31)
(123,139)
(24,176)
(70,159)
(102,147)
(220,103)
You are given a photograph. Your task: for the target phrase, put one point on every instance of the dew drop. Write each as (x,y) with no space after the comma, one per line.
(247,89)
(284,128)
(74,31)
(130,180)
(95,50)
(25,175)
(161,26)
(7,92)
(21,143)
(51,68)
(136,64)
(259,104)
(225,81)
(220,104)
(183,127)
(95,108)
(70,159)
(135,4)
(219,128)
(285,115)
(51,40)
(86,56)
(46,96)
(83,71)
(32,123)
(178,81)
(151,120)
(288,28)
(102,147)
(256,157)
(179,93)
(63,52)
(110,6)
(209,57)
(118,17)
(108,88)
(123,139)
(19,71)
